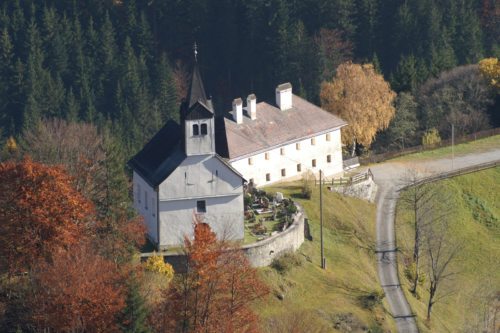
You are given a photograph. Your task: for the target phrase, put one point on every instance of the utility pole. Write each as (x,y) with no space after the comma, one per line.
(452,146)
(323,260)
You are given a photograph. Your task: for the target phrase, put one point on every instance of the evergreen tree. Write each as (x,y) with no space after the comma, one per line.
(136,312)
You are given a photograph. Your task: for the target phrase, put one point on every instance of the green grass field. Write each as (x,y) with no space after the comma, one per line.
(461,149)
(475,225)
(342,297)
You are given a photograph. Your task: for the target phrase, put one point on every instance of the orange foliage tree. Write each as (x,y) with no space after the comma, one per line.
(215,293)
(77,291)
(361,97)
(40,213)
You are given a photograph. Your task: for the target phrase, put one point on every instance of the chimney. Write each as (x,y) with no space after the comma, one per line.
(238,110)
(284,96)
(252,106)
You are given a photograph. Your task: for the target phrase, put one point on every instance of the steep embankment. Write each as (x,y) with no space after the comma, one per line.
(344,297)
(475,225)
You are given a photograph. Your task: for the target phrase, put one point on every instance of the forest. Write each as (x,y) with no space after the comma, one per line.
(124,65)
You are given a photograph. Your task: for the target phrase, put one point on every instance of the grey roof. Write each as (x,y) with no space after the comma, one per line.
(197,90)
(161,155)
(273,128)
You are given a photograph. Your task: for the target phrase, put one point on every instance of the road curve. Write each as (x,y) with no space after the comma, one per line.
(388,178)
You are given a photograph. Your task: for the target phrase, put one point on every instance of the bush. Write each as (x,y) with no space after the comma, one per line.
(307,181)
(156,264)
(248,201)
(286,261)
(371,299)
(431,138)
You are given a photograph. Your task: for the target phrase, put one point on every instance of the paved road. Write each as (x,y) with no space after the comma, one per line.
(388,178)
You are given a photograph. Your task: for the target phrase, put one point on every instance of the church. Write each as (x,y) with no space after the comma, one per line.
(178,176)
(197,169)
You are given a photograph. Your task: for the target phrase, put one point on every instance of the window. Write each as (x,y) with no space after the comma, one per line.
(314,163)
(268,177)
(328,137)
(297,146)
(329,158)
(250,161)
(267,156)
(313,141)
(201,206)
(282,151)
(283,173)
(299,167)
(145,199)
(204,130)
(196,130)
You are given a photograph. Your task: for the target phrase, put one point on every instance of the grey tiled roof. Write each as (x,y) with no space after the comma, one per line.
(274,128)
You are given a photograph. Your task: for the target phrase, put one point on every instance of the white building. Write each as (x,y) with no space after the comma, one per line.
(269,143)
(178,175)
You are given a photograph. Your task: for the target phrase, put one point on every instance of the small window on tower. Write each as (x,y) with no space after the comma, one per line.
(299,167)
(268,177)
(329,158)
(201,206)
(196,130)
(204,130)
(314,163)
(283,172)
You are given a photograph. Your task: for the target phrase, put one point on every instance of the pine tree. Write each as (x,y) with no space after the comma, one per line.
(165,91)
(135,313)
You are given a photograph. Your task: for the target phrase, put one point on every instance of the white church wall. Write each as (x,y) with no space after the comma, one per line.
(224,215)
(273,161)
(200,176)
(145,201)
(201,142)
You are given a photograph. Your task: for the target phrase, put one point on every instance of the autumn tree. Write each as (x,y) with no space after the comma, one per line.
(215,293)
(490,69)
(40,213)
(77,291)
(361,97)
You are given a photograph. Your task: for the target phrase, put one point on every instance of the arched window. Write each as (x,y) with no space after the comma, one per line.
(204,130)
(196,130)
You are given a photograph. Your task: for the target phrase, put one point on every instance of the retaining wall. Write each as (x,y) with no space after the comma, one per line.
(260,253)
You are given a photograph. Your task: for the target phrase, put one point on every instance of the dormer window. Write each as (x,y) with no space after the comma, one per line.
(196,129)
(204,130)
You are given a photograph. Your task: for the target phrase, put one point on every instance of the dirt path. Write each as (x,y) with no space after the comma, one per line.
(387,176)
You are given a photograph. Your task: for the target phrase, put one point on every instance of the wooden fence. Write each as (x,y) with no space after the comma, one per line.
(354,179)
(376,158)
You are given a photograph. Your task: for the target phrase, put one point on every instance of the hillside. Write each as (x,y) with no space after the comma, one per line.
(476,226)
(344,296)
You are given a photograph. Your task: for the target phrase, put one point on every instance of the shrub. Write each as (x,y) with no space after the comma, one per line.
(286,261)
(370,299)
(307,180)
(431,138)
(156,264)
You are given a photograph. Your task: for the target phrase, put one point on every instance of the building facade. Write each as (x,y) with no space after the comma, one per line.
(269,143)
(179,178)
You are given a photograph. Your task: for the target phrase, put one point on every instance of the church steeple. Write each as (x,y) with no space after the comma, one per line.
(197,114)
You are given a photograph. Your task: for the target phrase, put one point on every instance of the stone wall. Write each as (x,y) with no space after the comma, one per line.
(261,253)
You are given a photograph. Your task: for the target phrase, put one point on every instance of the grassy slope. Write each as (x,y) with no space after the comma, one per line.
(461,149)
(349,237)
(477,200)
